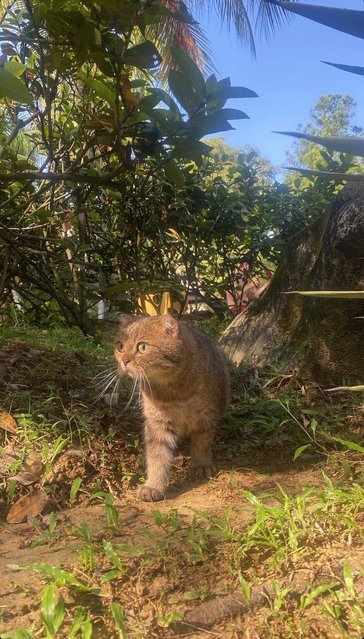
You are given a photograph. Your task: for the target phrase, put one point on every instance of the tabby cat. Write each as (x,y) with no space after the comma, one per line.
(184,383)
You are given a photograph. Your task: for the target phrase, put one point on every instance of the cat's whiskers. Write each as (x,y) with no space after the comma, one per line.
(102,375)
(135,382)
(111,381)
(140,389)
(105,378)
(145,379)
(115,391)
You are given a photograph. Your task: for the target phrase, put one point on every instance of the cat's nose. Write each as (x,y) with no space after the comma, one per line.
(125,359)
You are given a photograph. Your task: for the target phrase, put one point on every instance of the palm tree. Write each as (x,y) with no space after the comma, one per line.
(245,18)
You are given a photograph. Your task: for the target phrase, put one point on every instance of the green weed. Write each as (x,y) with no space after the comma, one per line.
(52,610)
(119,619)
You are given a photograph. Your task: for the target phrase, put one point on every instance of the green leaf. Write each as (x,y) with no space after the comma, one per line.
(112,5)
(102,90)
(20,633)
(159,10)
(344,144)
(15,67)
(165,119)
(329,175)
(191,149)
(86,629)
(346,20)
(313,426)
(346,67)
(119,618)
(143,56)
(52,612)
(333,294)
(190,69)
(135,84)
(111,575)
(13,88)
(349,579)
(245,588)
(316,592)
(350,445)
(62,577)
(112,555)
(212,85)
(300,450)
(234,114)
(77,623)
(163,96)
(148,103)
(183,91)
(104,65)
(352,389)
(233,92)
(174,174)
(219,92)
(75,486)
(111,291)
(202,124)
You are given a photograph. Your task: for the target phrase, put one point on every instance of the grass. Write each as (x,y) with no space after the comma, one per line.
(285,511)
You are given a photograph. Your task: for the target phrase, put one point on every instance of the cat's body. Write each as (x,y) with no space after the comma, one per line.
(184,385)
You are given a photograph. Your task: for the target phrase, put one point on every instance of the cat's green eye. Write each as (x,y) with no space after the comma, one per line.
(143,347)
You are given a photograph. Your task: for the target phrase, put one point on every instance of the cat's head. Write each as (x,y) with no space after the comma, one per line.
(150,346)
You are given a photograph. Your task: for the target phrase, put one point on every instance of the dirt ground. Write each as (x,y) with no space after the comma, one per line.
(20,590)
(289,529)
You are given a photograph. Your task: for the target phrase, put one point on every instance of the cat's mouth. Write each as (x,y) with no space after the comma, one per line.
(124,369)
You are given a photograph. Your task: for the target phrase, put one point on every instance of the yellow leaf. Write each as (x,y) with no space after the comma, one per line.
(30,505)
(7,422)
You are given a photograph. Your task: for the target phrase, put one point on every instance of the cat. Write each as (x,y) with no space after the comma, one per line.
(184,383)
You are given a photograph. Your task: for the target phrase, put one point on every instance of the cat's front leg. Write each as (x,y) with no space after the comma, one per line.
(201,466)
(160,444)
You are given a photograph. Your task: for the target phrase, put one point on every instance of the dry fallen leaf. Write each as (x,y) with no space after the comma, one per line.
(25,478)
(7,457)
(10,451)
(7,422)
(33,463)
(30,505)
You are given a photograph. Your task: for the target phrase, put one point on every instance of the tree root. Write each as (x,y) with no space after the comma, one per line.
(226,606)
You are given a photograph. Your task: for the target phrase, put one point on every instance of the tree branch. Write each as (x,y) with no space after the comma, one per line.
(64,177)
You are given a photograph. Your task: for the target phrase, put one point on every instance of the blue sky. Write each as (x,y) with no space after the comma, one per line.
(287,75)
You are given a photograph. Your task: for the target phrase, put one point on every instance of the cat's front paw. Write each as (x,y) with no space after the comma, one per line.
(201,471)
(147,493)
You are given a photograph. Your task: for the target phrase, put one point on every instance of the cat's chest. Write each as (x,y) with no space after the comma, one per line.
(180,416)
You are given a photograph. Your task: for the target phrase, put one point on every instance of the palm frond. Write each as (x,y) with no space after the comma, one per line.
(188,36)
(269,17)
(231,13)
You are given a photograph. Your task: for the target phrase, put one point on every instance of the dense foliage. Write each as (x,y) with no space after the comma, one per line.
(332,115)
(107,193)
(349,21)
(86,127)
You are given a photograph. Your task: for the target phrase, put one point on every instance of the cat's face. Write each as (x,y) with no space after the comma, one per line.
(148,347)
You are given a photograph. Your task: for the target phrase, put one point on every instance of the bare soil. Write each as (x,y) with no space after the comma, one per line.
(167,576)
(20,590)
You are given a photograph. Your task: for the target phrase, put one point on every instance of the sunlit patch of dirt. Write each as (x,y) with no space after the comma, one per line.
(178,553)
(20,590)
(162,575)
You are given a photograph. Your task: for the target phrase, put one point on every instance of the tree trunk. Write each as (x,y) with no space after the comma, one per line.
(322,336)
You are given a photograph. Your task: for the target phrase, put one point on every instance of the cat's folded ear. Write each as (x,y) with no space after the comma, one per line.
(170,325)
(125,320)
